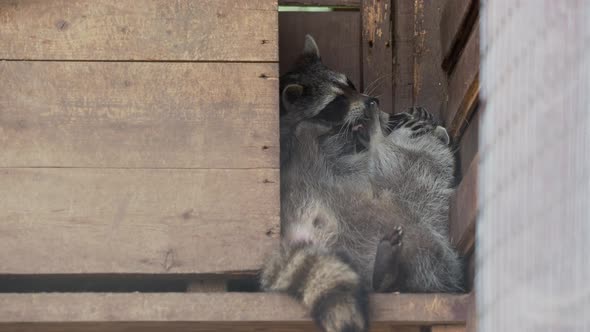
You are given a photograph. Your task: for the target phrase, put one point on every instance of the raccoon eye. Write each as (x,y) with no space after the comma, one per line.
(335,111)
(350,85)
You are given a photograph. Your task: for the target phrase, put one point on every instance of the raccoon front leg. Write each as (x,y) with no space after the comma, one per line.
(386,270)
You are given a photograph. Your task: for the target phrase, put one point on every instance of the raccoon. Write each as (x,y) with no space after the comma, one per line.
(364,199)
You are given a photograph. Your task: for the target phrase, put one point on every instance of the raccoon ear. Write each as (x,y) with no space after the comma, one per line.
(291,93)
(311,47)
(442,134)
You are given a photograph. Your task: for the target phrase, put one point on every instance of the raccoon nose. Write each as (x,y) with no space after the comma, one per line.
(372,102)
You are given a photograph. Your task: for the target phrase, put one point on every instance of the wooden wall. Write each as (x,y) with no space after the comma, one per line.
(137,137)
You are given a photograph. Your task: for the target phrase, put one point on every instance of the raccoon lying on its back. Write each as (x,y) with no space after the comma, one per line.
(364,199)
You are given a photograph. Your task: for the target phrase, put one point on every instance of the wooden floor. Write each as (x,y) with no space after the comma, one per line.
(211,312)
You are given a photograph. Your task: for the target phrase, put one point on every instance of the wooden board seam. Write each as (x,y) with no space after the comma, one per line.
(460,40)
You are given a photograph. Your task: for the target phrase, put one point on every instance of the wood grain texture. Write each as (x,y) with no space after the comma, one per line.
(463,211)
(463,87)
(213,310)
(403,55)
(185,327)
(331,3)
(453,17)
(153,115)
(70,221)
(377,53)
(337,34)
(201,30)
(469,144)
(429,79)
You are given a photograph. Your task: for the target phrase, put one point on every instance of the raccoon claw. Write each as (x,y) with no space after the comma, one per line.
(419,121)
(386,268)
(395,237)
(422,114)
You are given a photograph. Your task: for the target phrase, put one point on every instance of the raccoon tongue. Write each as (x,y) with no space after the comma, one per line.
(357,127)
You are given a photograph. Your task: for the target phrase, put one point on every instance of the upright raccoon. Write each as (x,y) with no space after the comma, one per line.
(364,199)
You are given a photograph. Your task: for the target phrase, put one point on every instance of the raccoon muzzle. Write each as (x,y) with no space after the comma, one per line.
(326,283)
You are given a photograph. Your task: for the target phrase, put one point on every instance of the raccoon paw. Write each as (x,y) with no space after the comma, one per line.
(419,122)
(422,122)
(386,268)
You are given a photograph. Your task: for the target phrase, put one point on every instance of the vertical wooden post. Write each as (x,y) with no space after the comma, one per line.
(377,46)
(533,233)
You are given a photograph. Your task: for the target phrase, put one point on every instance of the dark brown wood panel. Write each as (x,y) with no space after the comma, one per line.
(212,310)
(154,115)
(429,79)
(377,44)
(464,87)
(203,30)
(469,144)
(463,210)
(186,327)
(453,17)
(102,221)
(403,55)
(337,34)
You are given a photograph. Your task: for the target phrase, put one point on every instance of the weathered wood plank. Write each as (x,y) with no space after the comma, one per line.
(185,327)
(463,211)
(331,3)
(70,221)
(463,87)
(211,310)
(377,53)
(453,18)
(202,30)
(429,79)
(403,55)
(338,35)
(469,144)
(172,115)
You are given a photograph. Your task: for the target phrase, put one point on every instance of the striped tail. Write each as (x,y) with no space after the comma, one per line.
(326,283)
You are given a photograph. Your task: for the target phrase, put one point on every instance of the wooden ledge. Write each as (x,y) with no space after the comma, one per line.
(206,311)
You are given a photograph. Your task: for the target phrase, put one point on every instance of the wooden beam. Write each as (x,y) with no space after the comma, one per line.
(469,144)
(201,30)
(429,87)
(403,55)
(463,211)
(377,45)
(463,87)
(202,311)
(109,221)
(186,327)
(453,19)
(127,115)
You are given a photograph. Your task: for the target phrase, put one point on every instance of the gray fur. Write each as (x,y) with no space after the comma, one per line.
(343,189)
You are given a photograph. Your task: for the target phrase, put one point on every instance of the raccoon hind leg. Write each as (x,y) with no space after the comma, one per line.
(386,271)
